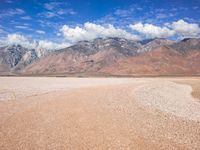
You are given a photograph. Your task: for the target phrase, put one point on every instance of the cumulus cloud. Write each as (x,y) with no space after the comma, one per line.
(90,31)
(15,39)
(152,31)
(44,44)
(185,29)
(180,28)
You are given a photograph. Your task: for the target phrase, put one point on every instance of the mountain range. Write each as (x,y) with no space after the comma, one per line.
(106,57)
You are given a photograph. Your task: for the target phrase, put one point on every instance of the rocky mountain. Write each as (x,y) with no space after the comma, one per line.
(187,44)
(93,57)
(85,57)
(110,56)
(163,58)
(148,45)
(13,58)
(160,61)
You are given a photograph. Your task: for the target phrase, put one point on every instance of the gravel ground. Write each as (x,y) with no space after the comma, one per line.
(20,87)
(170,97)
(98,113)
(195,84)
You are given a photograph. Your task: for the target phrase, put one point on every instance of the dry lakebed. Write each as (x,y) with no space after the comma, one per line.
(99,113)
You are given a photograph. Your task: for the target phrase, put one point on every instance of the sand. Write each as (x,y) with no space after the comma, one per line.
(195,84)
(171,98)
(98,113)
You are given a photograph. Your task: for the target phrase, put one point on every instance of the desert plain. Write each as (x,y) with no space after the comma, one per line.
(99,113)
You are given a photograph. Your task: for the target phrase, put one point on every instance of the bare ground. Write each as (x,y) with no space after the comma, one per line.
(195,84)
(69,113)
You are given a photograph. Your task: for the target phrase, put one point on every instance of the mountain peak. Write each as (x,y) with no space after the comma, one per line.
(93,56)
(187,44)
(190,39)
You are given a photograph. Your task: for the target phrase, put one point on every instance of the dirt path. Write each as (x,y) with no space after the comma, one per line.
(97,117)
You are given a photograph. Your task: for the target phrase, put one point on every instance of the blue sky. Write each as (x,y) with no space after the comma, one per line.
(55,20)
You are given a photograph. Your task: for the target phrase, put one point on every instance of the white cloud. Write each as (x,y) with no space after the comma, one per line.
(49,6)
(161,16)
(26,17)
(90,31)
(1,30)
(44,44)
(12,12)
(19,39)
(55,9)
(19,11)
(164,15)
(66,11)
(32,44)
(40,31)
(185,29)
(180,28)
(122,13)
(59,13)
(152,31)
(49,14)
(22,27)
(53,5)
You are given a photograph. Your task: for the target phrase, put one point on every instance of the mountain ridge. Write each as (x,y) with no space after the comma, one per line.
(115,56)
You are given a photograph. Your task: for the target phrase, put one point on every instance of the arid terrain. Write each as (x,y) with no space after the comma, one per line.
(99,113)
(106,57)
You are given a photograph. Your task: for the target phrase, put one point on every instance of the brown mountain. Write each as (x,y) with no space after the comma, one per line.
(171,58)
(160,61)
(117,56)
(85,57)
(14,58)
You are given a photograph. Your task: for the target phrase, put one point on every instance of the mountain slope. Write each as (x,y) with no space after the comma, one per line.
(187,44)
(85,57)
(161,61)
(14,58)
(148,45)
(111,56)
